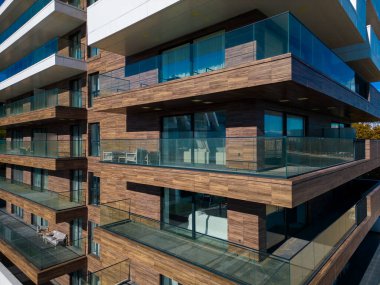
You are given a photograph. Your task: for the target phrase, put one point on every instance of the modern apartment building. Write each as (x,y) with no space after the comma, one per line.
(186,141)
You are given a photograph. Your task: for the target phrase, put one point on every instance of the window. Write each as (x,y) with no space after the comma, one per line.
(75,3)
(167,281)
(273,124)
(40,178)
(94,188)
(176,63)
(17,211)
(76,141)
(277,124)
(194,138)
(198,213)
(75,50)
(93,279)
(76,232)
(94,139)
(76,186)
(38,221)
(17,174)
(93,247)
(92,51)
(93,87)
(76,93)
(76,278)
(17,138)
(295,126)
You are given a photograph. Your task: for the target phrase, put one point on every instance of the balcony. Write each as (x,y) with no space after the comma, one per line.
(49,154)
(62,206)
(40,261)
(10,10)
(56,60)
(118,273)
(112,28)
(28,31)
(176,246)
(280,49)
(281,157)
(44,106)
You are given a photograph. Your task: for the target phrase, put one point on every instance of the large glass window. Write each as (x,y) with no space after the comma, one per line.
(17,211)
(93,247)
(198,213)
(273,124)
(76,232)
(17,174)
(76,141)
(94,188)
(194,138)
(75,43)
(295,126)
(39,221)
(76,185)
(40,178)
(93,87)
(76,93)
(167,281)
(176,63)
(208,53)
(17,138)
(94,139)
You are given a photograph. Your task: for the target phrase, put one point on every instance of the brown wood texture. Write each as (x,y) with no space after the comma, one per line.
(43,116)
(273,191)
(45,163)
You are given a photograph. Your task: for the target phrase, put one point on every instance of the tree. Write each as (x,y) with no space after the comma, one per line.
(365,131)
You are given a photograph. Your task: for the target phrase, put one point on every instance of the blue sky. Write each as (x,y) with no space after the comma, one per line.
(377,85)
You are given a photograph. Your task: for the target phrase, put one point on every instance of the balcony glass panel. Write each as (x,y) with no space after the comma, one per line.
(54,200)
(229,260)
(357,14)
(266,156)
(61,47)
(264,39)
(42,99)
(2,2)
(25,240)
(375,46)
(118,273)
(44,148)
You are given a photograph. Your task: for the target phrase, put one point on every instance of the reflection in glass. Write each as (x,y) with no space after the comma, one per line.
(199,213)
(295,126)
(273,124)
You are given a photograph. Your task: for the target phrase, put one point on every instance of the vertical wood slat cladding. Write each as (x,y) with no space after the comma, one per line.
(157,262)
(331,270)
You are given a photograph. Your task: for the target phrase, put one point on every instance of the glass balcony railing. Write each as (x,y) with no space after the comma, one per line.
(46,148)
(118,273)
(61,47)
(42,99)
(271,37)
(376,5)
(25,240)
(232,261)
(375,47)
(2,2)
(266,156)
(54,200)
(26,16)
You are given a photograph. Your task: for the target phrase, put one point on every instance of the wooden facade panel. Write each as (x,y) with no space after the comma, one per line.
(266,71)
(44,116)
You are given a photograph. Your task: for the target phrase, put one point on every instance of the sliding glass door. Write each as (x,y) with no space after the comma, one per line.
(194,213)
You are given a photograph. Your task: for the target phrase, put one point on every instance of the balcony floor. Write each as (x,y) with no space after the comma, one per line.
(42,253)
(46,198)
(215,255)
